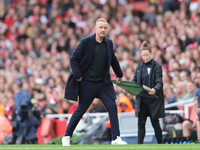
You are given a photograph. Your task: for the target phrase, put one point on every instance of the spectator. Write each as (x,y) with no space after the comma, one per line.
(150,16)
(189,126)
(191,90)
(175,80)
(196,56)
(170,5)
(170,97)
(65,107)
(180,91)
(42,104)
(197,81)
(5,126)
(125,105)
(184,75)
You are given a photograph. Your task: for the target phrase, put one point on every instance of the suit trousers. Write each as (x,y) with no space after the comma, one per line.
(88,90)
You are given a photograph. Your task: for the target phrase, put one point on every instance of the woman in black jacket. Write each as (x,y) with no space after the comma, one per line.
(149,73)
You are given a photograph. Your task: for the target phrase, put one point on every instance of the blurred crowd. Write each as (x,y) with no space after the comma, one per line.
(37,38)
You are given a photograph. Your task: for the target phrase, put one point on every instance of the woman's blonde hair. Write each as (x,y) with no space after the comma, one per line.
(182,85)
(145,46)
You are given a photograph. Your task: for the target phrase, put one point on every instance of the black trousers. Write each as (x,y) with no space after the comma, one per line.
(144,113)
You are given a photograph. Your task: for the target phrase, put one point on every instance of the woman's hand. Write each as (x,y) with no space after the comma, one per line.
(152,92)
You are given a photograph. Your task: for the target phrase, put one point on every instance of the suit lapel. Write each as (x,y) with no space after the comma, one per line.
(92,46)
(108,52)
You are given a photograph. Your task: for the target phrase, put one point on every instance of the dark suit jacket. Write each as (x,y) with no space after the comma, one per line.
(80,60)
(155,81)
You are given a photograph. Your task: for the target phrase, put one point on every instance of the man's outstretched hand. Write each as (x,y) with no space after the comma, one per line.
(119,80)
(125,91)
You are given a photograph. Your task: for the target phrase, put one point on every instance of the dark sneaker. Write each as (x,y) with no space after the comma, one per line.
(197,141)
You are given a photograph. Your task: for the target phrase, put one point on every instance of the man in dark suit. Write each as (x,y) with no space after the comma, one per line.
(90,63)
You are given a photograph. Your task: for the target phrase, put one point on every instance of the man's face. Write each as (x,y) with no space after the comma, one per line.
(101,28)
(190,87)
(42,103)
(123,106)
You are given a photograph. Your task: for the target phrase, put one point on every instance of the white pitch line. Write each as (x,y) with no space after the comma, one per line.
(98,147)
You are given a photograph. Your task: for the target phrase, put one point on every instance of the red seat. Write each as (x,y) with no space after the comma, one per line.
(60,127)
(45,130)
(40,138)
(50,128)
(192,113)
(140,6)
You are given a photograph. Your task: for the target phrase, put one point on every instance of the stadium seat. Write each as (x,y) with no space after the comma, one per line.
(192,113)
(140,6)
(45,130)
(60,127)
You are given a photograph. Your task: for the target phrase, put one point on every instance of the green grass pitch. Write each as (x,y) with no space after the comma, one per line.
(103,147)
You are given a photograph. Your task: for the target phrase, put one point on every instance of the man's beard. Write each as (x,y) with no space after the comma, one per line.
(101,36)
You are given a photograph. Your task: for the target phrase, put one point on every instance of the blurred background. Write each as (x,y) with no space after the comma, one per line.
(37,38)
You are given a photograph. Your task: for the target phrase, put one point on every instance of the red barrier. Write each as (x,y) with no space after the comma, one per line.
(40,138)
(45,131)
(192,113)
(49,129)
(60,127)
